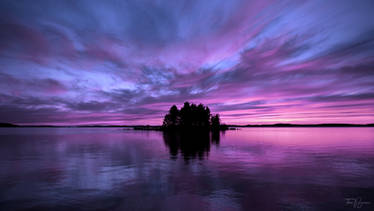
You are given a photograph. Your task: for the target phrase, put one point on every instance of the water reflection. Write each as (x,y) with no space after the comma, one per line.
(252,169)
(189,144)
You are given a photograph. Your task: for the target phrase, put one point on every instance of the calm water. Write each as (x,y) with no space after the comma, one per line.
(247,169)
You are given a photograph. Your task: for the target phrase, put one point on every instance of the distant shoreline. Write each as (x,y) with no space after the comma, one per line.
(150,127)
(310,125)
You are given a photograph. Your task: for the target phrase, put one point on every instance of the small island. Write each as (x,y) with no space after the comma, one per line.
(192,117)
(189,117)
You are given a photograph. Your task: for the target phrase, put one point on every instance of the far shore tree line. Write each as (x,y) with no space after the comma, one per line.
(192,116)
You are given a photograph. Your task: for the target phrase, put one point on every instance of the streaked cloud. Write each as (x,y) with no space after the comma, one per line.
(126,62)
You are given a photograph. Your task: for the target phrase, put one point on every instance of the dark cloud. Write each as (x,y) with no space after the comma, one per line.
(338,98)
(241,106)
(92,106)
(44,86)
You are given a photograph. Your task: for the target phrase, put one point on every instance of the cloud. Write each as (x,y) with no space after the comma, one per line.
(45,86)
(128,62)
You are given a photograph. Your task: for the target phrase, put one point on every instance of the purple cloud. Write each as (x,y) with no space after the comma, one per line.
(107,62)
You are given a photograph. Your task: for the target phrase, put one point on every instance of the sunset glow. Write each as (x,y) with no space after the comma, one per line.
(127,62)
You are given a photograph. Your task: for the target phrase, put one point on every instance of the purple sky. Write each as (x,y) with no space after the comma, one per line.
(127,62)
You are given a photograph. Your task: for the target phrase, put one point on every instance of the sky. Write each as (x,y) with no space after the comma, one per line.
(126,62)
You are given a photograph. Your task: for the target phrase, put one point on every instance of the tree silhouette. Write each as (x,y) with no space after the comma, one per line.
(215,122)
(191,116)
(172,119)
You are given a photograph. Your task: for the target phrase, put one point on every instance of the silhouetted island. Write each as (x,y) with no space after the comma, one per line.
(192,117)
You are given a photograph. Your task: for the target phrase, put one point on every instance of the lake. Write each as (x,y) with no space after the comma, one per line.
(246,169)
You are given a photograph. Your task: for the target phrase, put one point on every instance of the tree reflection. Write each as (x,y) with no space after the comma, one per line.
(190,144)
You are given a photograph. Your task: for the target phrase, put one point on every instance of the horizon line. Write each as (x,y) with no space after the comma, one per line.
(230,125)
